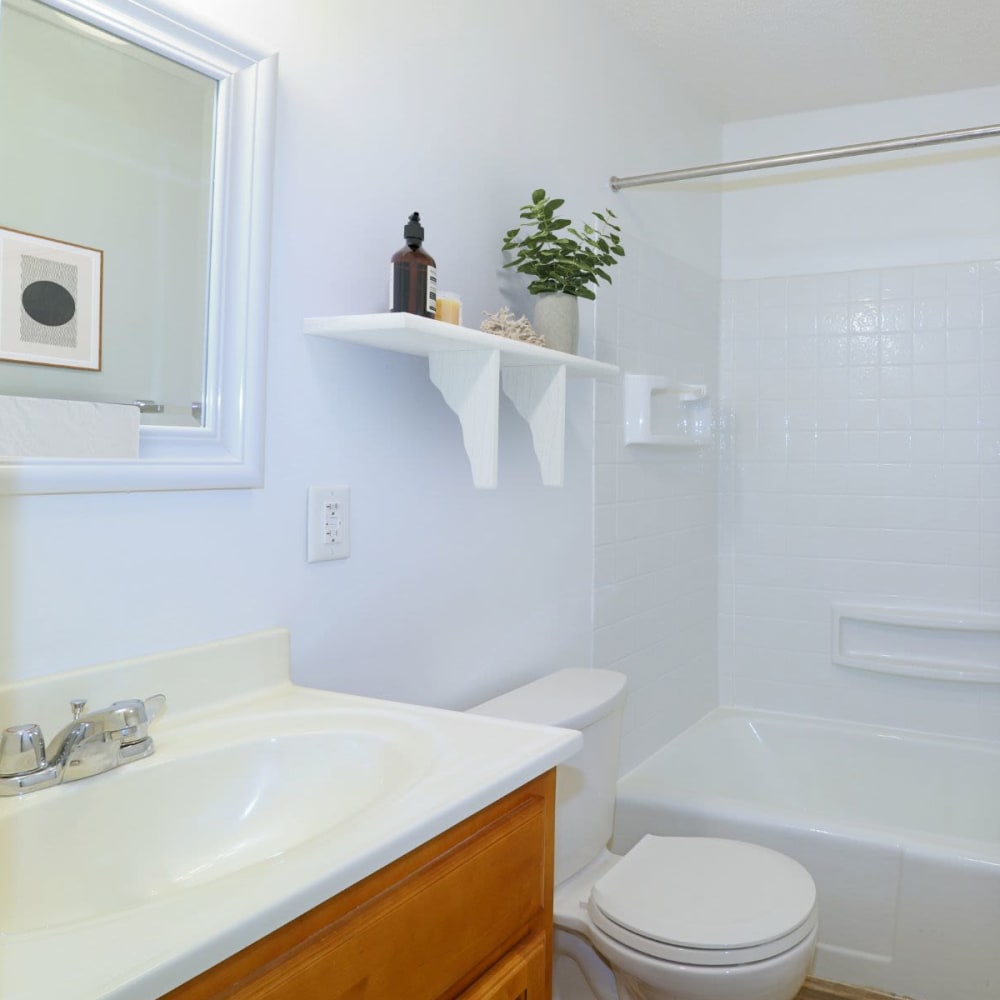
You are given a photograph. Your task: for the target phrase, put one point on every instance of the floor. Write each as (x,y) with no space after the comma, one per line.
(819,989)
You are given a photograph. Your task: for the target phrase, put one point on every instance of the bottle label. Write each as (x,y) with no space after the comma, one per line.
(432,284)
(392,288)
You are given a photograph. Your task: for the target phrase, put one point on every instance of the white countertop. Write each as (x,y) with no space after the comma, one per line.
(161,938)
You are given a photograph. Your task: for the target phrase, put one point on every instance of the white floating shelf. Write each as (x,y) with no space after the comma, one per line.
(469,368)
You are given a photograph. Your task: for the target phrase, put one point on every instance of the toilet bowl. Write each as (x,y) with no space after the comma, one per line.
(681,918)
(676,918)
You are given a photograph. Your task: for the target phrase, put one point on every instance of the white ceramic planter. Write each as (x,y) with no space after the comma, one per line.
(557,319)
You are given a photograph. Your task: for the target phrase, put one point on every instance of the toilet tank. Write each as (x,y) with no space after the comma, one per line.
(590,701)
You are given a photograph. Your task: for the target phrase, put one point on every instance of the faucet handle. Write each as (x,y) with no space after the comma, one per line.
(77,705)
(22,750)
(130,719)
(156,705)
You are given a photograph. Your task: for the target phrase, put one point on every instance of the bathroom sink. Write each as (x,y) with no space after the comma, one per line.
(261,801)
(213,800)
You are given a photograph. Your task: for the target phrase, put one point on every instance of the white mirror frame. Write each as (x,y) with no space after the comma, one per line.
(227,451)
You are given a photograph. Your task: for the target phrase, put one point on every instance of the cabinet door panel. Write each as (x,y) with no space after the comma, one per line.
(436,928)
(521,975)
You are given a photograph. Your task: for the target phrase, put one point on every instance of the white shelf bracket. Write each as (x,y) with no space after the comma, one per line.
(539,396)
(469,381)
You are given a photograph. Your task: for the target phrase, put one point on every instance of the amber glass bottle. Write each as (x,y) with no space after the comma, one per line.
(413,286)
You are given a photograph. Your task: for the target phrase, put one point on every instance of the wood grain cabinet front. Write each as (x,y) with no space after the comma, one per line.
(522,974)
(466,916)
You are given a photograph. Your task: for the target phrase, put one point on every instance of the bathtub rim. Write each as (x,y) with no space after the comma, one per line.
(932,846)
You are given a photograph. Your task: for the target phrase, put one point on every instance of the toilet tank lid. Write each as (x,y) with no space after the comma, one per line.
(573,698)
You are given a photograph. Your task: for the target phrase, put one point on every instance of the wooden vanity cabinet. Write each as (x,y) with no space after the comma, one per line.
(466,916)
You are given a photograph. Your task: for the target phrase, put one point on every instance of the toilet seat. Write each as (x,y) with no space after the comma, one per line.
(705,901)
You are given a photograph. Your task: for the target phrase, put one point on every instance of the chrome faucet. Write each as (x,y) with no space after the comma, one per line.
(92,743)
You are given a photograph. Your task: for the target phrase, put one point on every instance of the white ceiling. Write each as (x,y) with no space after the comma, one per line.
(743,59)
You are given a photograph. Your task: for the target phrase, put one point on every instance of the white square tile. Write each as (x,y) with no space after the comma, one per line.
(864,317)
(930,346)
(896,380)
(896,348)
(802,318)
(929,412)
(834,351)
(991,309)
(930,281)
(863,383)
(803,289)
(989,276)
(864,286)
(896,315)
(834,319)
(930,314)
(963,279)
(863,350)
(965,312)
(835,287)
(897,283)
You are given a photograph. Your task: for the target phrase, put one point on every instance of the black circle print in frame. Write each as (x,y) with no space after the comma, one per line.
(48,303)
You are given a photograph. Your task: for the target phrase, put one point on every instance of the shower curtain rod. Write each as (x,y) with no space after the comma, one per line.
(810,156)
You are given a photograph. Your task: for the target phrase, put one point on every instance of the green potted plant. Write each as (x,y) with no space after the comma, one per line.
(564,261)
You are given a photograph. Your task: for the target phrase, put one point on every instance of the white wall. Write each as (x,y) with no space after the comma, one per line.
(861,382)
(456,110)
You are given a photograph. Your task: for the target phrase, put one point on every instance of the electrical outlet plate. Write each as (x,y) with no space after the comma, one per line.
(329,523)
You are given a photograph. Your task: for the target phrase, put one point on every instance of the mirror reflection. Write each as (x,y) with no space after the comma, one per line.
(109,146)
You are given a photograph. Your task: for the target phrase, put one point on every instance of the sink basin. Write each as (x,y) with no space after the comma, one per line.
(213,800)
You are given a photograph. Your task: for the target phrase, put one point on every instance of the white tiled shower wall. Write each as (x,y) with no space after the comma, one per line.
(655,508)
(860,461)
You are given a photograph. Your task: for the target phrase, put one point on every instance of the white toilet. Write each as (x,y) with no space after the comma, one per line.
(676,918)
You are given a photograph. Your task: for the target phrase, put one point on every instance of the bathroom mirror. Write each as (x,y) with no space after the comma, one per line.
(148,137)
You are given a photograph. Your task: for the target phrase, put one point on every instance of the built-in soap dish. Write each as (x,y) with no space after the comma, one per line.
(662,411)
(928,643)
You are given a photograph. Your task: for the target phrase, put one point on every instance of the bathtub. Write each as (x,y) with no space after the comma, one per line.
(901,832)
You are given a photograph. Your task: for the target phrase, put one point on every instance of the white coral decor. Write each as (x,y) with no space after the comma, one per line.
(503,324)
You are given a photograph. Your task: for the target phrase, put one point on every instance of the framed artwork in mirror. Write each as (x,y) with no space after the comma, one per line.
(50,301)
